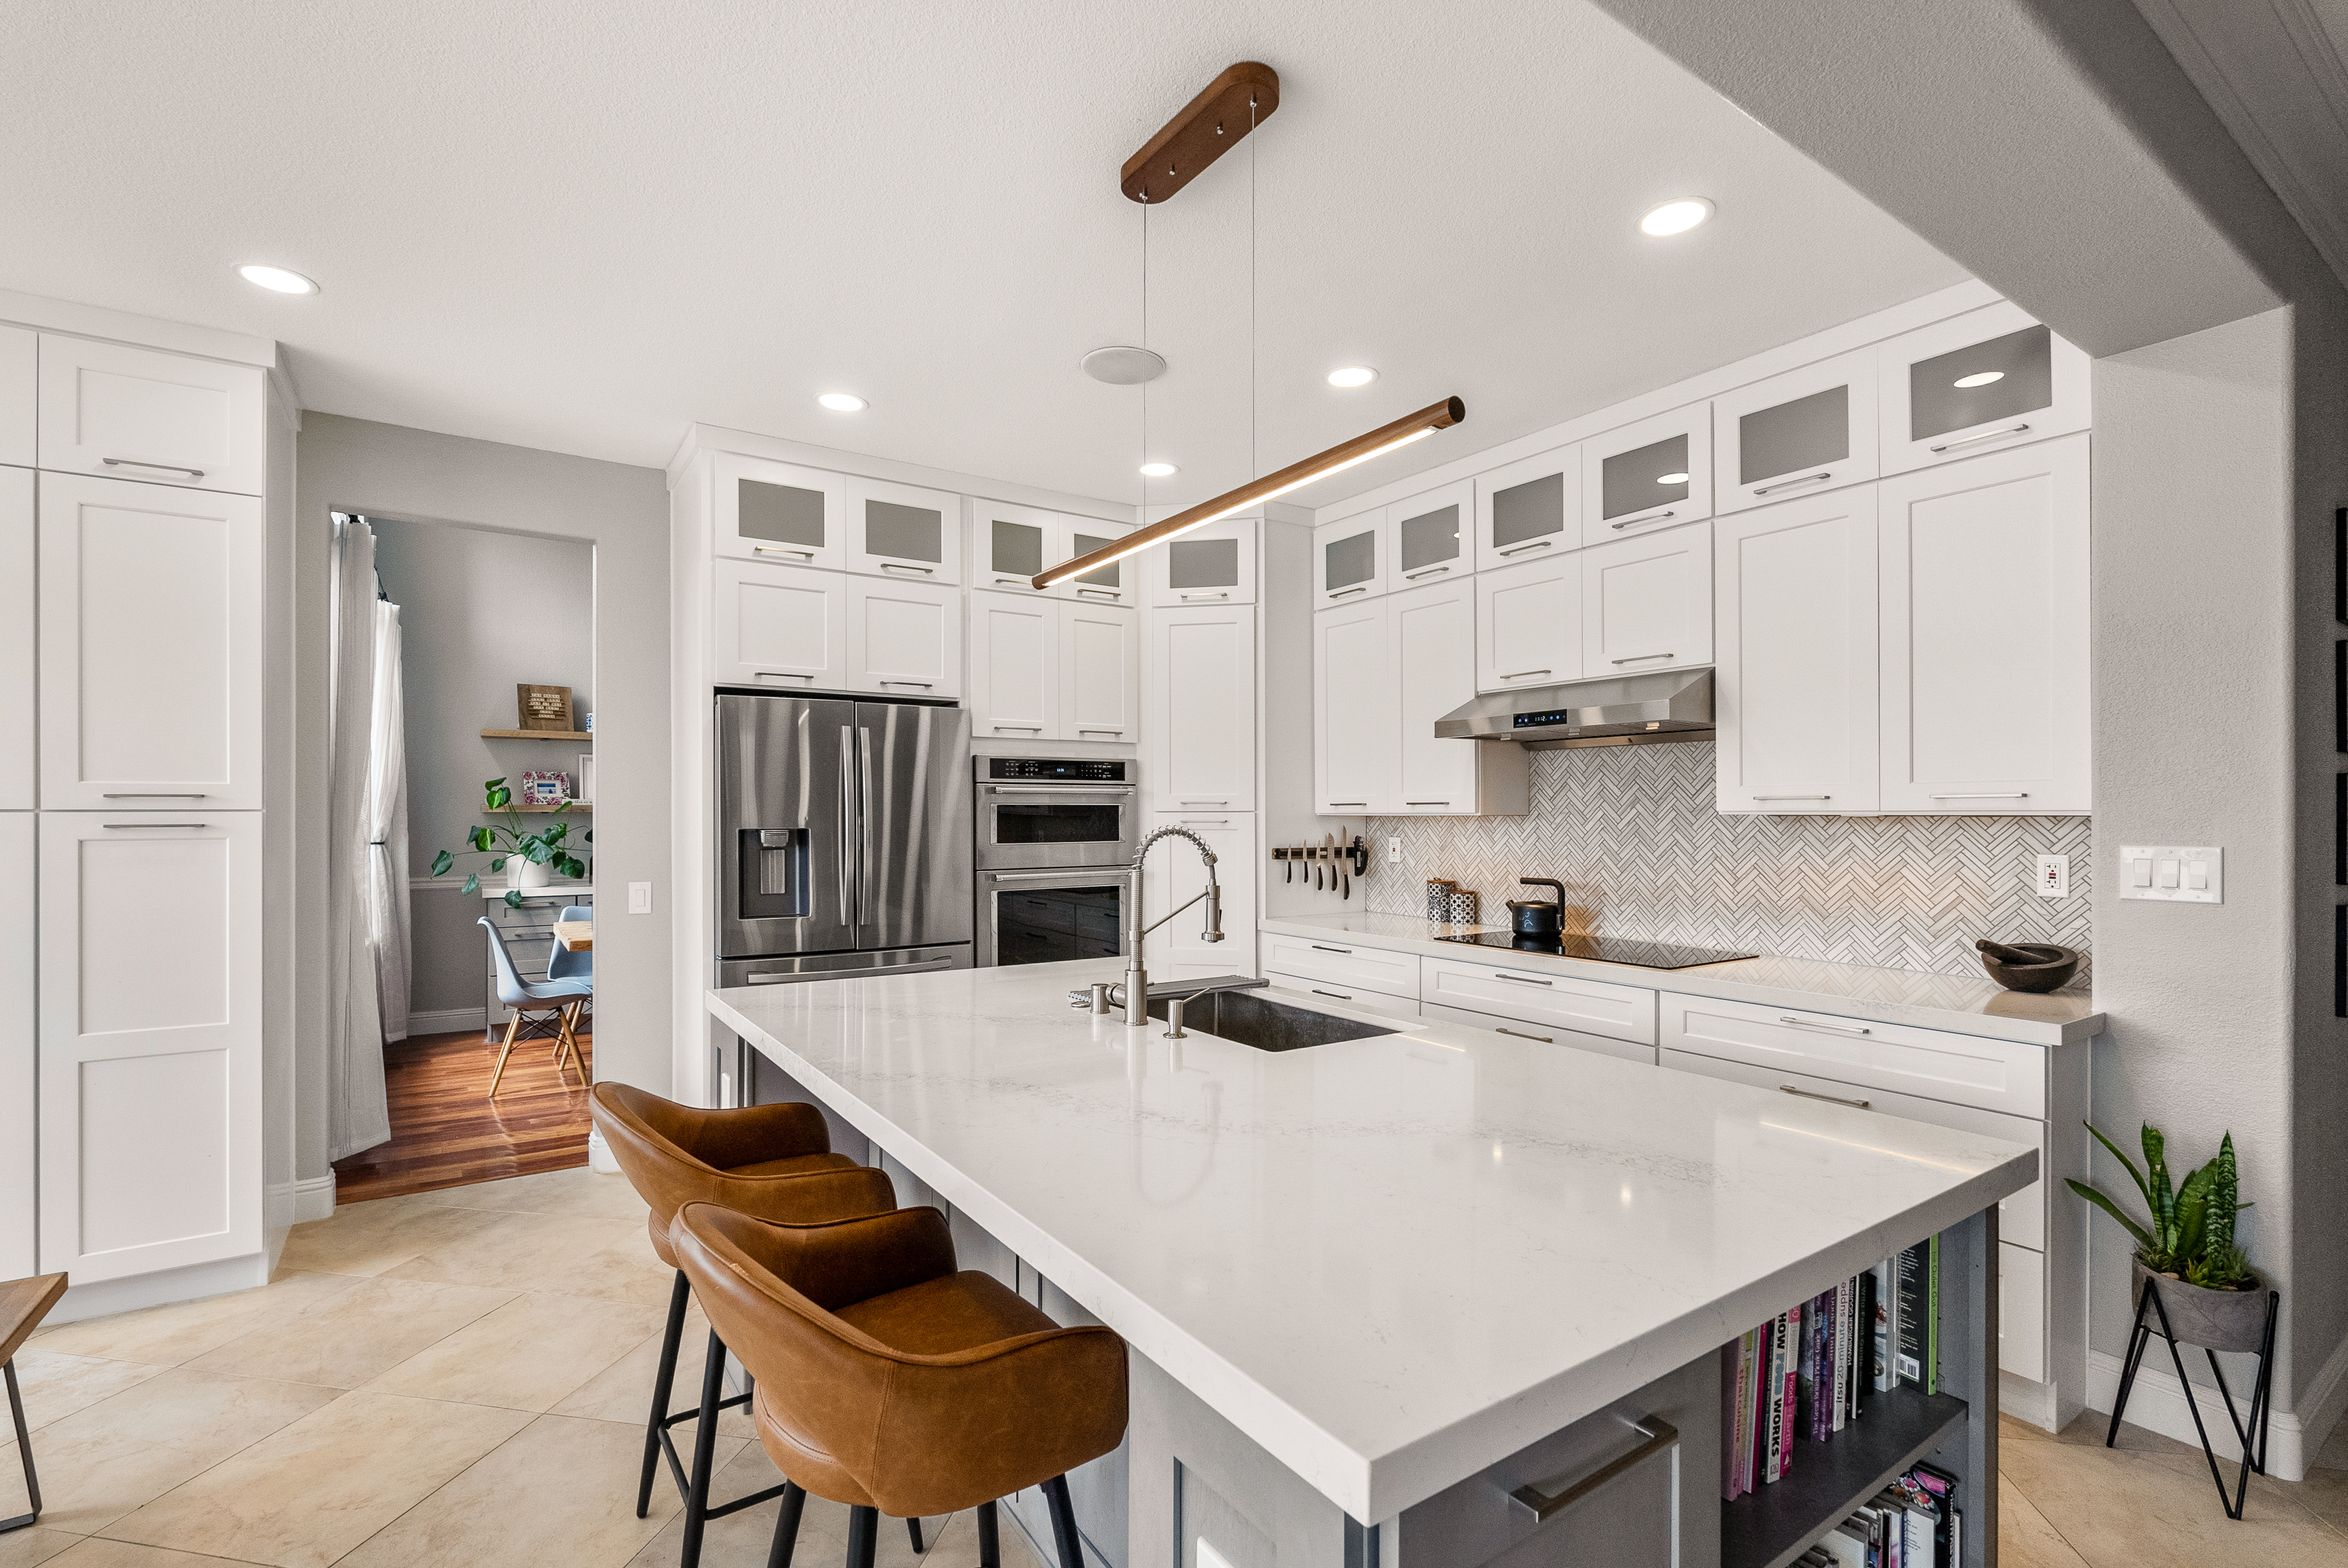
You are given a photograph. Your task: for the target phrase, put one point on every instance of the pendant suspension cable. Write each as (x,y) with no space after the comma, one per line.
(1255,463)
(1144,344)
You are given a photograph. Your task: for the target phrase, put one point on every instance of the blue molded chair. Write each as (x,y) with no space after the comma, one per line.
(566,965)
(557,997)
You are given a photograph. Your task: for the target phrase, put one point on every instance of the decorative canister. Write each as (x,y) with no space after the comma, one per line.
(1462,907)
(1439,890)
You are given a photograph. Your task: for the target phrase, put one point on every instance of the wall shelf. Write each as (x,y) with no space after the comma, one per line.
(1775,1525)
(577,808)
(538,735)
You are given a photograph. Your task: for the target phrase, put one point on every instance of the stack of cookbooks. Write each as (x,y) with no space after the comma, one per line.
(1809,1372)
(1914,1522)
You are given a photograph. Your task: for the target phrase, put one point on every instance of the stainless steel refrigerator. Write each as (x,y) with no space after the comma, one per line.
(843,838)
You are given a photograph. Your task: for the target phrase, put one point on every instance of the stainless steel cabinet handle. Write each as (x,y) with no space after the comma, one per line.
(1521,979)
(1319,948)
(1100,593)
(1544,1038)
(1761,797)
(1993,794)
(781,674)
(1361,803)
(1836,1028)
(154,825)
(780,550)
(1650,517)
(1017,581)
(1207,821)
(1643,658)
(1829,1099)
(1202,800)
(899,566)
(1985,435)
(147,795)
(924,685)
(1077,792)
(1426,803)
(1341,996)
(1425,571)
(1191,596)
(1520,549)
(1789,484)
(1520,674)
(1544,1506)
(1020,729)
(1344,591)
(164,468)
(1100,732)
(1083,876)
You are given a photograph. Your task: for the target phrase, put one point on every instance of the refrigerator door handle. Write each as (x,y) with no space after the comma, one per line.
(864,814)
(848,899)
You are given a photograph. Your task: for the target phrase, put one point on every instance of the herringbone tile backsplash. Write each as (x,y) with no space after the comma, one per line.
(1631,833)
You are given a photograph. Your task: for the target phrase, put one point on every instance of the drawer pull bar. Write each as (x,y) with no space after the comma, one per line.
(1319,948)
(154,825)
(1521,979)
(147,795)
(924,685)
(1426,803)
(1108,593)
(1789,484)
(1544,1038)
(781,674)
(1520,674)
(1836,1028)
(1761,797)
(1020,729)
(1425,571)
(1188,597)
(1643,658)
(1985,435)
(1209,821)
(1829,1099)
(1100,732)
(1222,799)
(1520,549)
(1991,794)
(1361,803)
(165,468)
(1342,592)
(901,566)
(777,550)
(1341,996)
(1650,517)
(1545,1506)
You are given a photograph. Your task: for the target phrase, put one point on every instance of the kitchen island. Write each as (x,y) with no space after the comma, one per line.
(1393,1279)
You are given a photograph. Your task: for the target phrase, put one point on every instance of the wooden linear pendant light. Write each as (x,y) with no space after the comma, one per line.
(1210,125)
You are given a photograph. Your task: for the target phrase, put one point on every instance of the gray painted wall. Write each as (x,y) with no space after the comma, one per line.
(387,470)
(480,611)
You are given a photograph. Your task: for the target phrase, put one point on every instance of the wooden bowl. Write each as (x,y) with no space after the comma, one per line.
(2050,967)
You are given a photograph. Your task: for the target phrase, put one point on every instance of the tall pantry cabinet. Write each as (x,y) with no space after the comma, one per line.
(134,549)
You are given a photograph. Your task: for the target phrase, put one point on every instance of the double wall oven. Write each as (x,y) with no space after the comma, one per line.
(1056,837)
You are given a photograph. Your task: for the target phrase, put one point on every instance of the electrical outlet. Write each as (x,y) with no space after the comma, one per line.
(2054,877)
(640,898)
(1394,849)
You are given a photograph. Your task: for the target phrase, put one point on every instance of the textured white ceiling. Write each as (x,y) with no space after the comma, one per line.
(580,228)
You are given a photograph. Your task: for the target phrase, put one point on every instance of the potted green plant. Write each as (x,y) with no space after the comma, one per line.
(2212,1298)
(528,856)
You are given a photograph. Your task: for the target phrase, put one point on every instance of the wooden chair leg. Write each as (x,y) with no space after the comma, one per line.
(566,1044)
(513,1027)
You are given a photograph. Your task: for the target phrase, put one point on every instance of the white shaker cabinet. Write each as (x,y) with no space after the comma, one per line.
(18,1037)
(1010,546)
(1212,564)
(1646,604)
(1428,539)
(1984,634)
(1357,741)
(1653,475)
(1176,875)
(19,785)
(1200,706)
(1431,633)
(778,513)
(901,531)
(1986,381)
(1528,624)
(20,396)
(1014,666)
(904,639)
(150,1140)
(1100,674)
(151,621)
(1796,602)
(780,627)
(138,414)
(1118,582)
(1349,559)
(1529,510)
(1796,434)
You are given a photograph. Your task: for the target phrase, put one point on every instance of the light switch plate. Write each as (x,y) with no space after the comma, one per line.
(2173,873)
(640,898)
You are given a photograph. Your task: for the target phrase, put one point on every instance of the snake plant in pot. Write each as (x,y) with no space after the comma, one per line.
(528,855)
(2211,1296)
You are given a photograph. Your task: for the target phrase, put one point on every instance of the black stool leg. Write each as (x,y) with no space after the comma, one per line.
(990,1544)
(787,1526)
(664,1384)
(914,1528)
(24,1450)
(705,1450)
(1064,1523)
(863,1537)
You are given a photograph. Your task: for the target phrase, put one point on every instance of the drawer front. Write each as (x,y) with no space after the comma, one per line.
(1590,1007)
(1359,996)
(2021,1312)
(1964,1070)
(1545,1033)
(1342,961)
(2021,1218)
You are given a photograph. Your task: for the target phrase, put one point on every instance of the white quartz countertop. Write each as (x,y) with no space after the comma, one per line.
(1391,1262)
(1961,1004)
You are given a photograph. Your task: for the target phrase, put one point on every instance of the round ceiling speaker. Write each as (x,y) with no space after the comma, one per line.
(1122,366)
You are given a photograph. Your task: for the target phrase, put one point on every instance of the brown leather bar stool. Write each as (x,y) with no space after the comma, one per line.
(886,1380)
(773,1160)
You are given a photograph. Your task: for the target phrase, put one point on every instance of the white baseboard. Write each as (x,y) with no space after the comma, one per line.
(449,1021)
(105,1297)
(599,1155)
(314,1198)
(2158,1404)
(2324,1402)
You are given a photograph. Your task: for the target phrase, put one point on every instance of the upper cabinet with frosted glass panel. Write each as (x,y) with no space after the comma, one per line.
(1119,582)
(1209,566)
(1010,545)
(1656,474)
(779,513)
(1349,559)
(1427,537)
(903,532)
(1530,509)
(1798,434)
(1981,381)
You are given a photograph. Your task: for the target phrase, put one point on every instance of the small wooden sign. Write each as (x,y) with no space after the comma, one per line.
(543,707)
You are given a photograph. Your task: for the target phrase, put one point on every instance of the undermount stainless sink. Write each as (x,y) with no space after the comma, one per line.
(1246,1019)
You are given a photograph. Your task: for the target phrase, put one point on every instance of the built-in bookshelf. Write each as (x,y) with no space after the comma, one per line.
(1771,1527)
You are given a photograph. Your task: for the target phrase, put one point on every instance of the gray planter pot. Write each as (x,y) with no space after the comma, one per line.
(2214,1319)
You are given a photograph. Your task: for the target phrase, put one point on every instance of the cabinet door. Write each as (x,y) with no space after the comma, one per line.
(20,398)
(781,626)
(151,1051)
(1656,474)
(904,637)
(1100,674)
(1646,604)
(19,789)
(1356,731)
(1432,634)
(1528,624)
(778,513)
(1200,716)
(1176,875)
(1011,545)
(17,1049)
(1530,509)
(150,646)
(1428,537)
(1349,559)
(1984,573)
(1798,434)
(900,532)
(1119,582)
(141,414)
(1539,1031)
(1988,379)
(1213,565)
(1796,622)
(1014,666)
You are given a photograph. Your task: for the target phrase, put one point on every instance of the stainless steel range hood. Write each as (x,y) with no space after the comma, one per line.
(1612,710)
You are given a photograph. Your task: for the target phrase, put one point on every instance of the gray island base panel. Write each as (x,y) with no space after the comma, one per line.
(1374,1287)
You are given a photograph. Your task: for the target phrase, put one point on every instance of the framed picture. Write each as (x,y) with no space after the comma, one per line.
(587,783)
(544,789)
(543,707)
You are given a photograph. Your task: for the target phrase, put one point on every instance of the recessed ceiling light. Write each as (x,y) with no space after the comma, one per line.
(1159,470)
(1979,378)
(1352,375)
(1671,478)
(842,402)
(1676,217)
(276,279)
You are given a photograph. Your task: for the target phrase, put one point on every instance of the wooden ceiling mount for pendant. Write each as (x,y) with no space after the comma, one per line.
(1209,126)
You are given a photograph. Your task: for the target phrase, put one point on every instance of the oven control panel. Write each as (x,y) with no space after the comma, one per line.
(1057,770)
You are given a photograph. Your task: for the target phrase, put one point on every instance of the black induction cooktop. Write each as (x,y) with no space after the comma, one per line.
(1602,949)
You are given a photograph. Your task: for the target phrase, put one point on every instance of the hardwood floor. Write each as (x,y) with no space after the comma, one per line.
(446,1132)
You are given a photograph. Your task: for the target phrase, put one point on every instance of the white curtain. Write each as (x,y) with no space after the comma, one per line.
(357,1114)
(387,818)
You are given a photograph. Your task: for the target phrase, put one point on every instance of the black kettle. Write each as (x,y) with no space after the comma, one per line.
(1532,919)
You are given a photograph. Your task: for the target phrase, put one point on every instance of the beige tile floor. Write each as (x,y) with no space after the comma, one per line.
(458,1378)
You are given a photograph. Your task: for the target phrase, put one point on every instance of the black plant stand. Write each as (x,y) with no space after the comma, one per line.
(2254,1457)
